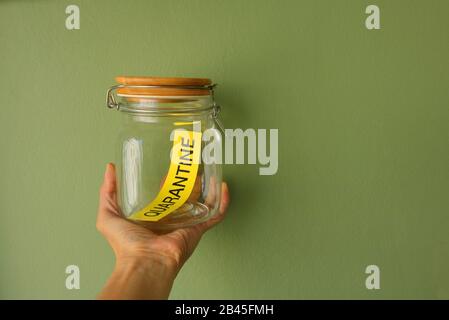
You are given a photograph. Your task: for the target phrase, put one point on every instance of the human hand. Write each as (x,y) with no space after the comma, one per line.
(138,247)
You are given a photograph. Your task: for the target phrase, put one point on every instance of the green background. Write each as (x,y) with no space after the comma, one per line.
(363,121)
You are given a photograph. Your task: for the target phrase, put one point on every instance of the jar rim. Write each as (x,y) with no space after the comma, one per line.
(159,89)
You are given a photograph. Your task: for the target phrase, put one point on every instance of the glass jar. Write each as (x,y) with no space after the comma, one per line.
(168,150)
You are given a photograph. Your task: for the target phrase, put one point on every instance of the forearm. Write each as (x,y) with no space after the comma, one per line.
(139,279)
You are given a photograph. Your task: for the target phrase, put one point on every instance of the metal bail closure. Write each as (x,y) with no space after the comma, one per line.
(215,111)
(111,103)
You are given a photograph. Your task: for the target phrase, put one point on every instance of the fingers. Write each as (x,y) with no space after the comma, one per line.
(212,193)
(225,198)
(224,204)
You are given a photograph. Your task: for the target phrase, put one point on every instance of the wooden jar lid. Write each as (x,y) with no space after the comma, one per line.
(163,86)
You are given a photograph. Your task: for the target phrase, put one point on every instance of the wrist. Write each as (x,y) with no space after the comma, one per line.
(139,277)
(149,263)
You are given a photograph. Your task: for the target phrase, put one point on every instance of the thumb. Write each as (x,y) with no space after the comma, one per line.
(108,195)
(109,186)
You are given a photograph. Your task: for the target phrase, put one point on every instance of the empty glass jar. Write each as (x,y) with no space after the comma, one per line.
(168,150)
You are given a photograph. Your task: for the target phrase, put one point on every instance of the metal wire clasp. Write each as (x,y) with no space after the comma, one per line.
(112,103)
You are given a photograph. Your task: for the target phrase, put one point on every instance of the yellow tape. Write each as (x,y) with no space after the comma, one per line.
(180,179)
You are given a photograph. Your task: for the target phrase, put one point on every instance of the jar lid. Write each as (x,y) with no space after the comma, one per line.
(162,86)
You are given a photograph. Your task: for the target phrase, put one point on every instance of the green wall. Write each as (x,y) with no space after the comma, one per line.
(363,119)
